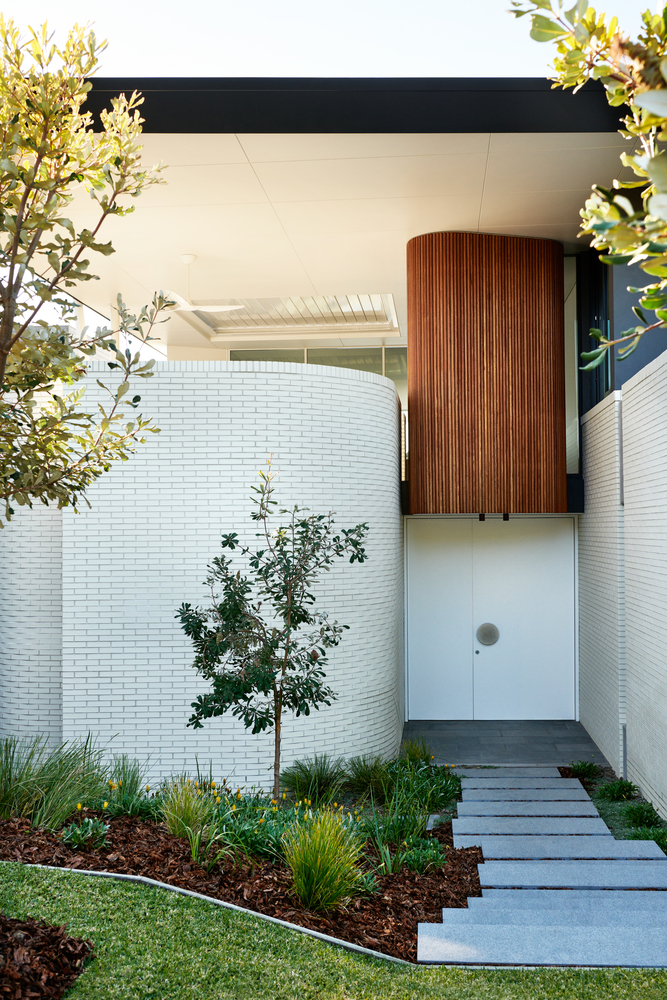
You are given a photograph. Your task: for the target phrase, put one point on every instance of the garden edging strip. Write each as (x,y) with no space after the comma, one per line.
(327,938)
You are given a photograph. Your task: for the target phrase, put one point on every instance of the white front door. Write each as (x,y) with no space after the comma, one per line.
(517,575)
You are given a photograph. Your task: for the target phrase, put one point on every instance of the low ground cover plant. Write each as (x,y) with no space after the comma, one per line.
(586,769)
(617,791)
(91,832)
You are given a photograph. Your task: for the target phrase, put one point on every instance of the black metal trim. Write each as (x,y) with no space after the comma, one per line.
(314,104)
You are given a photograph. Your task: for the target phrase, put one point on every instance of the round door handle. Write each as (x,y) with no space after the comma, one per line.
(487,634)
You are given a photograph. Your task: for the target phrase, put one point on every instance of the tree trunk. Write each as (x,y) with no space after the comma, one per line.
(277,704)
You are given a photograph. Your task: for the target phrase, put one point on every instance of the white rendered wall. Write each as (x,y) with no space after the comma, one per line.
(645,489)
(601,593)
(30,623)
(156,522)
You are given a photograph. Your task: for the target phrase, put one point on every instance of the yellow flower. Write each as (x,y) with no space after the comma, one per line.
(213,784)
(261,820)
(148,788)
(234,808)
(78,805)
(275,809)
(274,802)
(335,805)
(217,799)
(284,795)
(189,782)
(308,801)
(196,784)
(120,784)
(105,805)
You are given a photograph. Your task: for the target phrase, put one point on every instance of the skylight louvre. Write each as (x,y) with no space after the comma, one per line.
(354,315)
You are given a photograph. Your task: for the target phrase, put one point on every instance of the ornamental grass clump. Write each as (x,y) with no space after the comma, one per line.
(185,807)
(323,855)
(44,783)
(319,778)
(368,776)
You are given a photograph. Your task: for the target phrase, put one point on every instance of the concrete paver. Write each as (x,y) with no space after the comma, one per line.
(560,847)
(531,825)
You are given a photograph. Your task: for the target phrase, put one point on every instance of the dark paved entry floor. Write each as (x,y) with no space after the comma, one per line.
(515,742)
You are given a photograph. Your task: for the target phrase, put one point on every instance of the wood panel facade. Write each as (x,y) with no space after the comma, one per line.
(486,377)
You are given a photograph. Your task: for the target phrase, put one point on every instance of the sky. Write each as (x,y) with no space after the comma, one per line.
(338,38)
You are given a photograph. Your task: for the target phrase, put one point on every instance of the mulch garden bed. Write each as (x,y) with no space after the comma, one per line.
(37,960)
(386,922)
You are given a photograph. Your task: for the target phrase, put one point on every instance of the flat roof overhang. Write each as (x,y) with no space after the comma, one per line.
(313,187)
(283,104)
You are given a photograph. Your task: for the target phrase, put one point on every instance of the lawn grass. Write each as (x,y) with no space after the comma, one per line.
(155,945)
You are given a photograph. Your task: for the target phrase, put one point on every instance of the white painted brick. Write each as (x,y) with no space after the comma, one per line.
(601,581)
(156,522)
(645,487)
(31,623)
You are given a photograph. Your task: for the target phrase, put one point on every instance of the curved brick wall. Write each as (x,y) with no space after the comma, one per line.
(156,522)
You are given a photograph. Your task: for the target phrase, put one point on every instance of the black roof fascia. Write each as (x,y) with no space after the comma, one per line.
(237,104)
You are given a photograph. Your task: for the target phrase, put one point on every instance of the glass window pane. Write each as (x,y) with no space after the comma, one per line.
(294,355)
(396,368)
(365,359)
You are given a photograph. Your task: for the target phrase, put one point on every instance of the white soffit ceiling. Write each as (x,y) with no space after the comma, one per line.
(245,322)
(307,217)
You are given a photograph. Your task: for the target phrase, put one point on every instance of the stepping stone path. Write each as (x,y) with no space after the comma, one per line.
(557,888)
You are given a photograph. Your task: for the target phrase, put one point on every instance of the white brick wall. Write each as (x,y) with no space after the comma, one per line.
(156,522)
(645,487)
(30,623)
(601,594)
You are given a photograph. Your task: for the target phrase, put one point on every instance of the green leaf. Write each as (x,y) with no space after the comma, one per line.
(545,30)
(653,101)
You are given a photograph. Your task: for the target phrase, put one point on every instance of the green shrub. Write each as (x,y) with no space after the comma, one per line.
(585,769)
(44,783)
(91,833)
(616,791)
(323,855)
(659,834)
(424,853)
(368,775)
(319,778)
(642,814)
(416,751)
(186,807)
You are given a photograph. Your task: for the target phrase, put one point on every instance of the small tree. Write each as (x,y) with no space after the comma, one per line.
(253,643)
(634,74)
(50,448)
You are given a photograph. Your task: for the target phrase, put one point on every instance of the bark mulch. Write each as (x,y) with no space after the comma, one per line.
(37,960)
(386,922)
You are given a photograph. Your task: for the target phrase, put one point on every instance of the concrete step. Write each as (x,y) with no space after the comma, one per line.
(560,847)
(531,825)
(508,781)
(574,874)
(571,899)
(547,916)
(508,772)
(583,807)
(559,794)
(561,944)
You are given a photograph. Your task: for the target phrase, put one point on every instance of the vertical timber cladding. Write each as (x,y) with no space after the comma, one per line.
(486,385)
